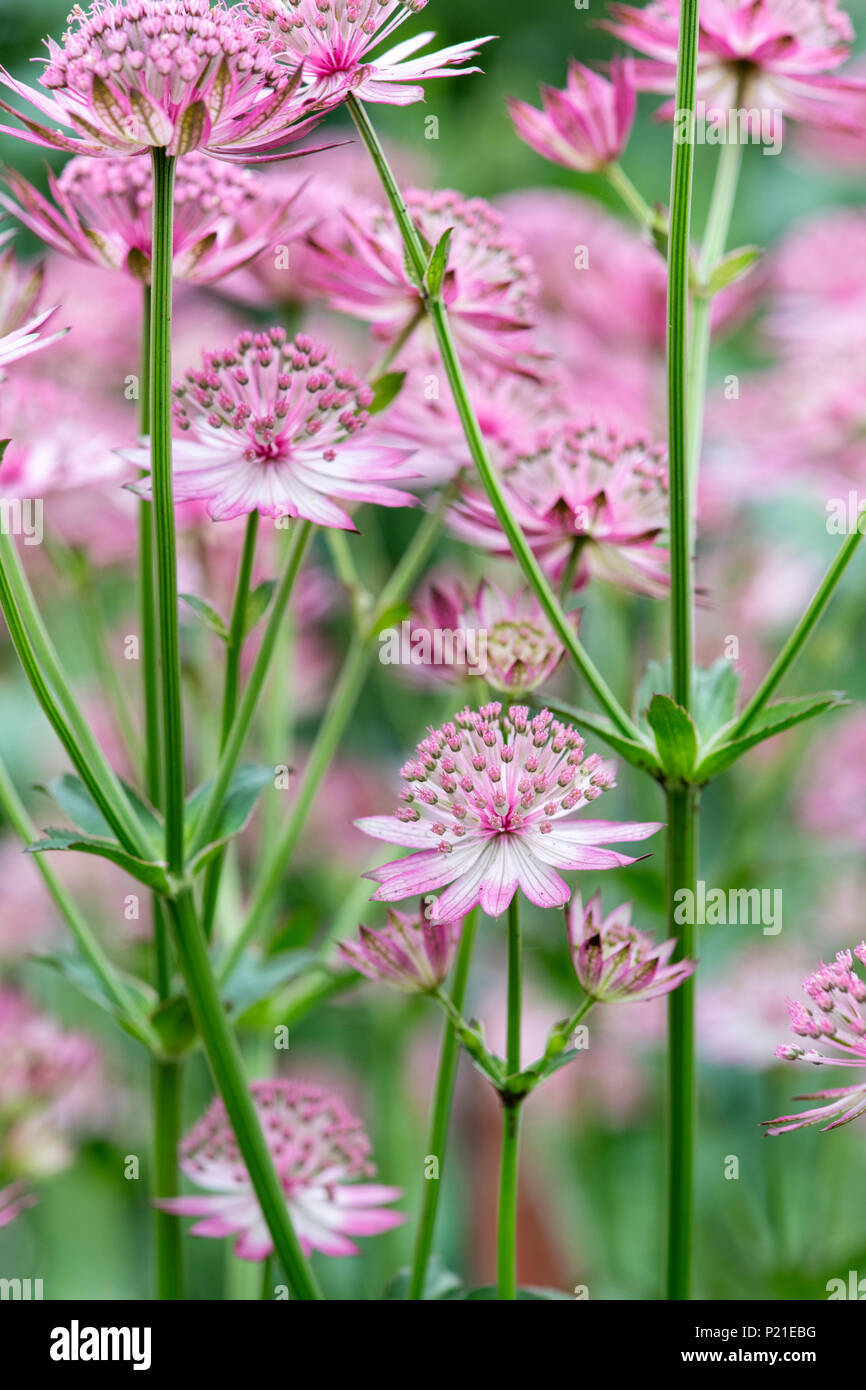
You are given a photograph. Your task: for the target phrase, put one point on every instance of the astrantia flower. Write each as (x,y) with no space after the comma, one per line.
(616,963)
(506,639)
(13,1200)
(335,39)
(318,1148)
(488,807)
(763,55)
(586,126)
(274,426)
(103,210)
(835,1019)
(133,75)
(411,953)
(592,502)
(489,285)
(19,294)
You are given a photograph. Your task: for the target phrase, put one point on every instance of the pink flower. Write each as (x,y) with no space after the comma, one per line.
(489,285)
(586,126)
(763,55)
(335,38)
(318,1148)
(173,74)
(19,294)
(102,212)
(832,801)
(835,1018)
(616,963)
(13,1200)
(588,499)
(277,428)
(411,953)
(506,639)
(487,809)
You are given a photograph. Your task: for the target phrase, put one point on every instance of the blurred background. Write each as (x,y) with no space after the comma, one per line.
(790,817)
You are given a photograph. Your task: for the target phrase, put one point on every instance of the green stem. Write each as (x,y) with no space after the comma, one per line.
(682,802)
(336,718)
(234,648)
(440,1117)
(438,316)
(163,505)
(506,1264)
(240,725)
(682,837)
(228,1070)
(168,1235)
(802,631)
(633,199)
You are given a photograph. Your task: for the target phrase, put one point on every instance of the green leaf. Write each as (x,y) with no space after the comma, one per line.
(773,719)
(208,615)
(676,737)
(4,445)
(732,267)
(246,786)
(489,1293)
(714,696)
(386,388)
(439,1282)
(638,754)
(392,617)
(82,975)
(438,263)
(73,798)
(257,603)
(255,978)
(152,874)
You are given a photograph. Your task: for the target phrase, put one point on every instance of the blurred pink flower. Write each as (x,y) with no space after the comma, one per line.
(102,212)
(586,126)
(489,284)
(515,648)
(832,798)
(20,327)
(172,74)
(739,1011)
(334,39)
(52,1088)
(487,807)
(410,952)
(613,961)
(318,1147)
(276,427)
(592,503)
(835,992)
(13,1200)
(763,55)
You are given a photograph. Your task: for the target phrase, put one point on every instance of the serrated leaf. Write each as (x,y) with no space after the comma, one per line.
(246,786)
(732,267)
(676,737)
(257,603)
(773,719)
(153,875)
(82,975)
(438,263)
(255,978)
(209,616)
(638,754)
(714,694)
(75,801)
(386,388)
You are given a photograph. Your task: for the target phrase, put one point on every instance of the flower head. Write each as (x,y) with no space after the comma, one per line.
(506,639)
(764,55)
(318,1148)
(19,294)
(489,284)
(411,953)
(488,808)
(179,75)
(616,963)
(335,39)
(592,502)
(102,212)
(274,426)
(836,1020)
(586,126)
